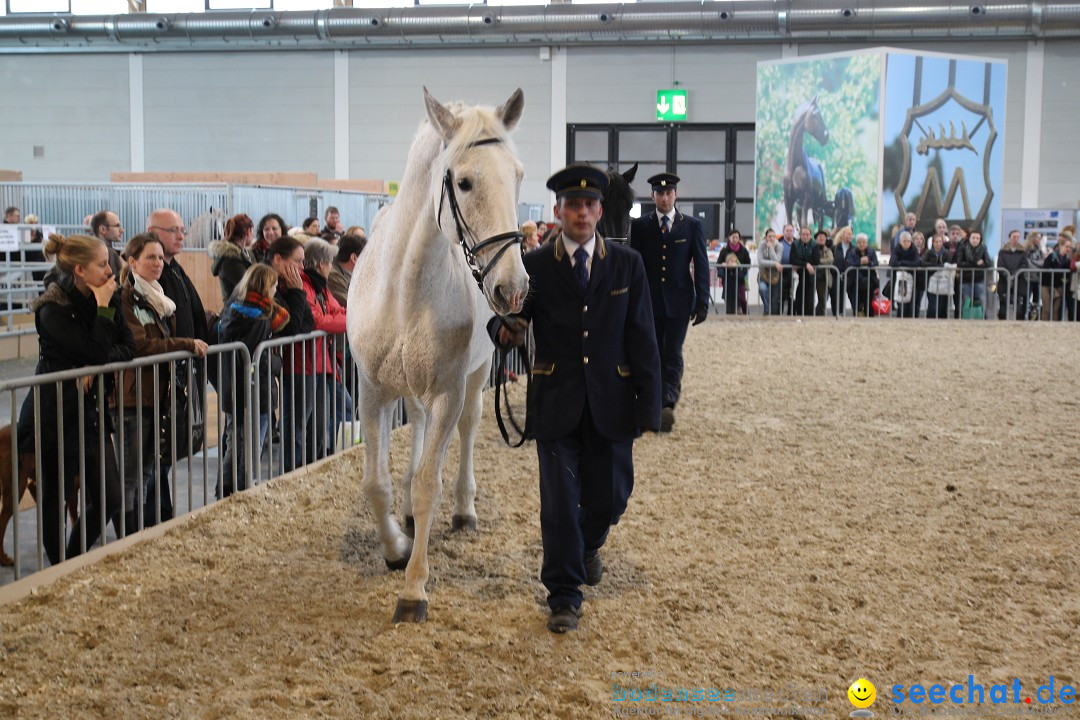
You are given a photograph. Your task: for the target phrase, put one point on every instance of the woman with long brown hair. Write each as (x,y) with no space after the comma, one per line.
(151,317)
(231,256)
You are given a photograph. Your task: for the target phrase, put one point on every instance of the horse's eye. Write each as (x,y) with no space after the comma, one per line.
(464,185)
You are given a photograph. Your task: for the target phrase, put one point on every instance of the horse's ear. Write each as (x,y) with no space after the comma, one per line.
(628,176)
(814,101)
(446,124)
(510,111)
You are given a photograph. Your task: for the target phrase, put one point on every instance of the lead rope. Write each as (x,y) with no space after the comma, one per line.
(501,378)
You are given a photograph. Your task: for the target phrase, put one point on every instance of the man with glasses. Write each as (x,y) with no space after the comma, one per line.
(168,227)
(106,225)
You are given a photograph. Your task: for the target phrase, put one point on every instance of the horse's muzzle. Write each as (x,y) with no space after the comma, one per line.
(504,304)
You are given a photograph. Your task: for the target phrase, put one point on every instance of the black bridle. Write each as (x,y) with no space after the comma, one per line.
(479,272)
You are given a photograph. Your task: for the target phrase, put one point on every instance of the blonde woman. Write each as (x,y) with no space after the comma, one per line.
(841,247)
(251,318)
(79,324)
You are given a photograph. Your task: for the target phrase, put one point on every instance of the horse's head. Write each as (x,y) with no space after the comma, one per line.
(475,185)
(815,123)
(618,199)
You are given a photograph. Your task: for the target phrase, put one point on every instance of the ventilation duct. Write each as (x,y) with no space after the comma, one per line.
(558,24)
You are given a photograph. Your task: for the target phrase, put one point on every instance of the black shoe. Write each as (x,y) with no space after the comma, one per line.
(594,569)
(667,419)
(563,619)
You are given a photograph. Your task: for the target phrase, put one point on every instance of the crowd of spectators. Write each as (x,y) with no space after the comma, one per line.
(100,306)
(953,275)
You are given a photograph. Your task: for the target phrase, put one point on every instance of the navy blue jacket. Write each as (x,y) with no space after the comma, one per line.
(600,345)
(674,292)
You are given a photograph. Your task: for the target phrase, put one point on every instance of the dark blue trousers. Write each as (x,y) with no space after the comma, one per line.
(670,334)
(585,482)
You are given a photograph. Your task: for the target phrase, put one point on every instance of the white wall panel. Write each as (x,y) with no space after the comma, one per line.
(618,85)
(1059,184)
(387,104)
(74,106)
(220,112)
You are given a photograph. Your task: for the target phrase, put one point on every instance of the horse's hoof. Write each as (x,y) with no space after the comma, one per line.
(463,522)
(414,611)
(410,526)
(393,565)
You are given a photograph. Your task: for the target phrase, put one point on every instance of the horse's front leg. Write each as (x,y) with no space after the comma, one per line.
(417,422)
(426,491)
(375,416)
(465,490)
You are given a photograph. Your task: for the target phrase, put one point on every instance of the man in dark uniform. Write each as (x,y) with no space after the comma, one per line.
(595,385)
(668,242)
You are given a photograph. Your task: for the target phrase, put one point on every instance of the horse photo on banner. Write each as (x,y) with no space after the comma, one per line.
(818,140)
(944,143)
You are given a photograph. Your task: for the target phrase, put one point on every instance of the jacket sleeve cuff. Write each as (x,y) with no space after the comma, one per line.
(109,313)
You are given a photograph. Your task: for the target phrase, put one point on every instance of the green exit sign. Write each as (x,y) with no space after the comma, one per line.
(671,105)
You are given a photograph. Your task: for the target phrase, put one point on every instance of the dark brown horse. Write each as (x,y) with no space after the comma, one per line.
(618,200)
(804,178)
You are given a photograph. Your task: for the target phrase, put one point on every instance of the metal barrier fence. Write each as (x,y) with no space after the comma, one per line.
(70,203)
(105,440)
(946,292)
(24,266)
(1042,294)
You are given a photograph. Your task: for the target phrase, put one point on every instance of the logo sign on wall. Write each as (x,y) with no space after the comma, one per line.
(944,143)
(671,105)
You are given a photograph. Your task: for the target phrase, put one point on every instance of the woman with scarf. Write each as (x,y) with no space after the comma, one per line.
(251,318)
(79,324)
(770,258)
(150,316)
(733,265)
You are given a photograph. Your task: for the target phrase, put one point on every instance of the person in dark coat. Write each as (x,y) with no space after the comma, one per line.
(251,317)
(151,318)
(973,261)
(79,324)
(231,256)
(805,257)
(168,227)
(865,280)
(595,385)
(669,242)
(939,282)
(1056,284)
(733,266)
(904,258)
(1011,260)
(286,256)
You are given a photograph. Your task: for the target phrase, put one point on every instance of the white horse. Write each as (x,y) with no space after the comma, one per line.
(416,316)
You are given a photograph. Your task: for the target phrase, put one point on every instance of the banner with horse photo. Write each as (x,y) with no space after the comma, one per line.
(944,143)
(818,142)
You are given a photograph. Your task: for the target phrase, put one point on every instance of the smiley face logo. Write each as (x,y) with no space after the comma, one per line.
(862,693)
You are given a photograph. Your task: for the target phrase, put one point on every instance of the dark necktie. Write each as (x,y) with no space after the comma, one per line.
(664,224)
(581,268)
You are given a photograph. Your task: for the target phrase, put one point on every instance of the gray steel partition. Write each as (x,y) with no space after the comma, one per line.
(70,203)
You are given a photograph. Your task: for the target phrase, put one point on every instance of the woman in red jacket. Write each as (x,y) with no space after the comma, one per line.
(318,357)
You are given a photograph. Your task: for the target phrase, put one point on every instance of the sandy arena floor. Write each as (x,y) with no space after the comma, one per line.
(884,499)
